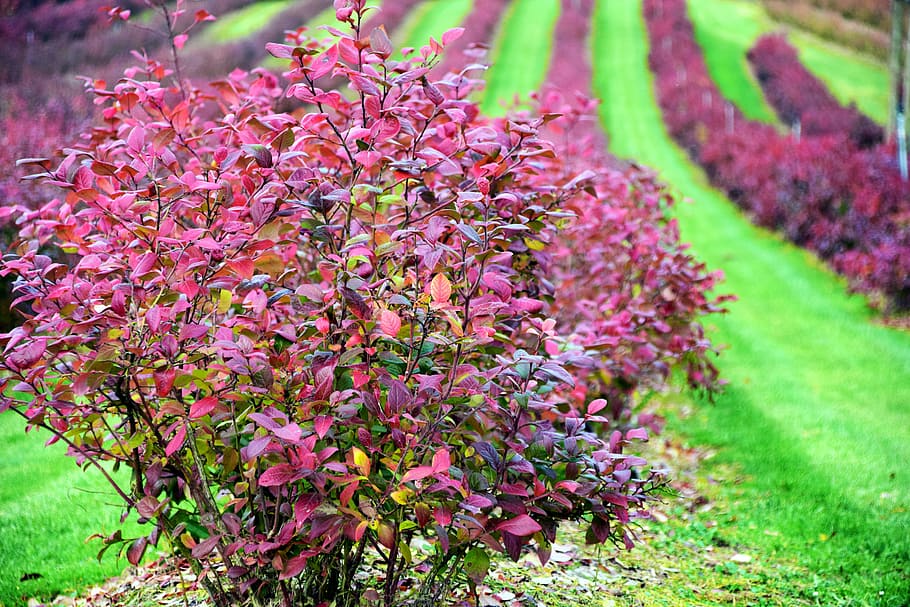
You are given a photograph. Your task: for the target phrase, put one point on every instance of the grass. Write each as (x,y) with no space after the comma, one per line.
(521,53)
(725,42)
(431,18)
(816,412)
(48,507)
(243,22)
(727,28)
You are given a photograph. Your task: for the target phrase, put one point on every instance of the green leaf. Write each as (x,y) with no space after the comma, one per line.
(476,564)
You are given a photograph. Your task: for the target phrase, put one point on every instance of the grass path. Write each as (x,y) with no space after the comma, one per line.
(818,410)
(521,53)
(726,36)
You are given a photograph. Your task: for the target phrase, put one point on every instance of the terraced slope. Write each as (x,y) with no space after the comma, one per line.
(817,410)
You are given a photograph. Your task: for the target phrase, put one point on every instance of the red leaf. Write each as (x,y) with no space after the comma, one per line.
(136,550)
(203,407)
(203,548)
(322,424)
(176,443)
(164,381)
(282,474)
(441,461)
(294,566)
(522,526)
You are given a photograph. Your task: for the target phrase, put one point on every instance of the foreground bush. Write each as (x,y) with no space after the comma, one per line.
(353,344)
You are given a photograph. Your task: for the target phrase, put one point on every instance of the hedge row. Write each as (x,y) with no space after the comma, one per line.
(846,204)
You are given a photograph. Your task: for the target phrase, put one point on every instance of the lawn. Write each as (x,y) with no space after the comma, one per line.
(816,408)
(48,508)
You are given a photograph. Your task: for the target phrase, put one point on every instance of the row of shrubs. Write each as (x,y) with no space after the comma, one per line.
(365,343)
(802,100)
(847,204)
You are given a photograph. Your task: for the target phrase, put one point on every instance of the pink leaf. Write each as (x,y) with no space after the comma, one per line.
(418,473)
(180,40)
(441,461)
(174,445)
(639,433)
(440,289)
(452,35)
(203,407)
(522,526)
(291,433)
(322,424)
(390,323)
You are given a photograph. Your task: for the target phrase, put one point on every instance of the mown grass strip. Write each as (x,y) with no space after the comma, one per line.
(243,22)
(48,507)
(521,53)
(816,411)
(431,18)
(725,43)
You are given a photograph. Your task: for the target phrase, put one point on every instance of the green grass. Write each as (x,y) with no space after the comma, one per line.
(727,28)
(521,53)
(48,507)
(817,409)
(725,42)
(243,22)
(431,18)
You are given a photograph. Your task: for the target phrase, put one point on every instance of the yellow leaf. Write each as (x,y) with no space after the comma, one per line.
(224,301)
(402,495)
(362,461)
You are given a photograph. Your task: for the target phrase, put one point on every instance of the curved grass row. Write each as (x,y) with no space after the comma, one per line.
(816,412)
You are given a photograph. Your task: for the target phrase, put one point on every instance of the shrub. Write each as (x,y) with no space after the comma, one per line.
(799,97)
(335,342)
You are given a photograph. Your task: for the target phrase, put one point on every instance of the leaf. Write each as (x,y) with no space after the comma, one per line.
(389,323)
(294,566)
(205,547)
(441,461)
(418,473)
(203,407)
(521,526)
(322,424)
(469,232)
(279,51)
(440,289)
(278,475)
(225,298)
(450,36)
(261,154)
(136,550)
(176,442)
(477,564)
(361,461)
(380,43)
(596,405)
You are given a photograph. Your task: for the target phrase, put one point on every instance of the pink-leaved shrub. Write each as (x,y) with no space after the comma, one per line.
(366,341)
